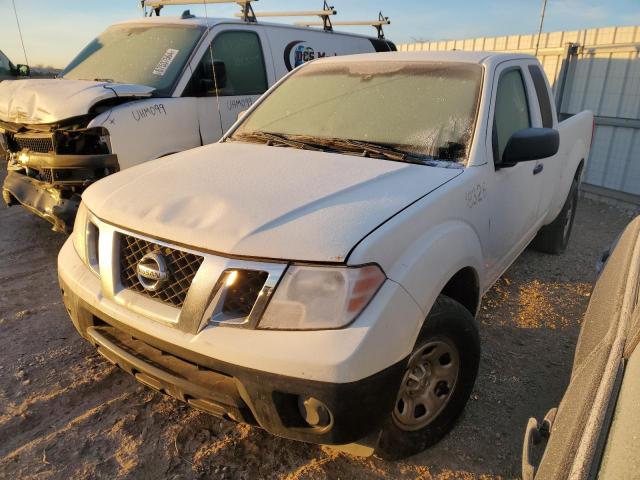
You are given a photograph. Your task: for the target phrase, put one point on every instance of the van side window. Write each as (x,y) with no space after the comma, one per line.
(511,111)
(244,71)
(543,96)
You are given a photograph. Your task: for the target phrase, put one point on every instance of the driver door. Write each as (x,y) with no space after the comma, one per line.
(238,79)
(514,208)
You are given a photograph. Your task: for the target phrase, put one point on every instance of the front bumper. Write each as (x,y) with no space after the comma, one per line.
(232,386)
(56,199)
(42,199)
(247,395)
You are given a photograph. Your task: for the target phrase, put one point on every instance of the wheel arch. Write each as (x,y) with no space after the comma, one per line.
(464,288)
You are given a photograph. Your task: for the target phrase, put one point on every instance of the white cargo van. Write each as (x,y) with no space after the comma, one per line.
(144,89)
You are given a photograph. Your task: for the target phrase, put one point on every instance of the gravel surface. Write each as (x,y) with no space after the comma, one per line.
(67,413)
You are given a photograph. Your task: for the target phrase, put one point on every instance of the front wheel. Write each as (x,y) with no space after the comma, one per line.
(436,384)
(554,237)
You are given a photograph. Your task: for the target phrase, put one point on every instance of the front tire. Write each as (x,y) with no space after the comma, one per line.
(554,238)
(436,384)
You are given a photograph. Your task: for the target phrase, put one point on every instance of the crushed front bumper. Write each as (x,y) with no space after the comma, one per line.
(50,185)
(42,199)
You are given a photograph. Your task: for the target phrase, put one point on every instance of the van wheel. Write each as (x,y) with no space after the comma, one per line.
(554,237)
(436,384)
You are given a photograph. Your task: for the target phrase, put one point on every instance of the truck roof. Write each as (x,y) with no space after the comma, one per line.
(450,56)
(213,21)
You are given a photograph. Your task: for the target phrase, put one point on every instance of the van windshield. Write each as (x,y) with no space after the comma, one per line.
(423,109)
(138,54)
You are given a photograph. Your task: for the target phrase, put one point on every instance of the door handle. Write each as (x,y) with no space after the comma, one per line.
(538,168)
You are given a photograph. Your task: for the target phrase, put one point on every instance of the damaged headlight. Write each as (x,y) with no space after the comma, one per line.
(90,141)
(86,237)
(320,298)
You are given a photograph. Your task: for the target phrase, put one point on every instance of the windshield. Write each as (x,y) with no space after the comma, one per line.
(425,109)
(139,54)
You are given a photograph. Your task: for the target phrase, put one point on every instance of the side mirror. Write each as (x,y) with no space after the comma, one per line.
(23,70)
(206,85)
(530,144)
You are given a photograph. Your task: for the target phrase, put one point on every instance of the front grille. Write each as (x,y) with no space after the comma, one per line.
(182,268)
(34,144)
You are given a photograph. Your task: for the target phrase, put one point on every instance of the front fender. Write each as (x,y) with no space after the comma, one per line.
(148,129)
(434,258)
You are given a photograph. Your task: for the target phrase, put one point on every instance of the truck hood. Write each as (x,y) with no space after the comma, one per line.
(259,201)
(51,100)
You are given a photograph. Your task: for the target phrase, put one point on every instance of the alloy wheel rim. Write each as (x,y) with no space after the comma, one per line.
(427,385)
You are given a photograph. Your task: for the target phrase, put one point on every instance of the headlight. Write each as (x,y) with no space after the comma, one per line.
(88,141)
(321,298)
(86,237)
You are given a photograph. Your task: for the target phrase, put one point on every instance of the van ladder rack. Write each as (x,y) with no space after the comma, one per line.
(325,14)
(377,24)
(246,14)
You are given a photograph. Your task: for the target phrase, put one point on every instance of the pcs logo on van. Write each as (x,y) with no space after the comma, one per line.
(297,52)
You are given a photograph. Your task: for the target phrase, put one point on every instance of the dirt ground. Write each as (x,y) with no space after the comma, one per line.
(67,413)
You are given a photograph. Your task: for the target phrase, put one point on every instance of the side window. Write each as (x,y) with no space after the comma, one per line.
(243,73)
(543,96)
(511,112)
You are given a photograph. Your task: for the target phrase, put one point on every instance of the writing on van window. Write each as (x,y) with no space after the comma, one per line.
(165,62)
(476,195)
(150,111)
(239,103)
(298,52)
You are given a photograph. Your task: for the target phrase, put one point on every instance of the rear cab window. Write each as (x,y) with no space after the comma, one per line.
(542,92)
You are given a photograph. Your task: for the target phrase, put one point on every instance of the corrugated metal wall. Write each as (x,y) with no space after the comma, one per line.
(596,69)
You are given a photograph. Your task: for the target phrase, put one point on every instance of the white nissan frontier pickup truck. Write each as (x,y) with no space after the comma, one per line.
(317,272)
(144,89)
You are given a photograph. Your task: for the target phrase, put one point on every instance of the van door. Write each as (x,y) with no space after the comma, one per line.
(514,207)
(237,55)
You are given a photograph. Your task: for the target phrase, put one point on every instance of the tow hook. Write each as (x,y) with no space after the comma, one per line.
(534,434)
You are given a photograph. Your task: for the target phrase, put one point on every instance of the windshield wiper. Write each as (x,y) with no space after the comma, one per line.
(368,149)
(274,139)
(107,80)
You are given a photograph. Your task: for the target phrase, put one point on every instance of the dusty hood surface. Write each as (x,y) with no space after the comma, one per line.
(259,201)
(51,100)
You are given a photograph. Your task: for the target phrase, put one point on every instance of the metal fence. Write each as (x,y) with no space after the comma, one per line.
(596,69)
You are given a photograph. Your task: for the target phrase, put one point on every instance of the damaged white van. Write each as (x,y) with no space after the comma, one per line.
(318,271)
(144,89)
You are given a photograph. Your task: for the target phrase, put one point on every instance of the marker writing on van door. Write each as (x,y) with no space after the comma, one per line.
(150,111)
(237,103)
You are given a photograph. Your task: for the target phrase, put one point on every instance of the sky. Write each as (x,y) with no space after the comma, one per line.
(54,31)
